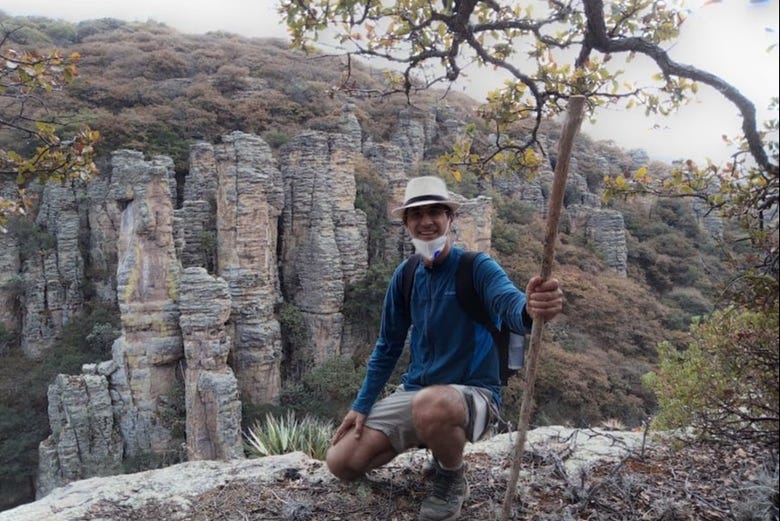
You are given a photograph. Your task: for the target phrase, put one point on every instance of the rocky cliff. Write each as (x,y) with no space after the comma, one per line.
(324,237)
(293,486)
(248,203)
(198,265)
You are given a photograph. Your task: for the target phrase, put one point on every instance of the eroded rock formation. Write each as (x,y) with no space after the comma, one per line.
(212,405)
(251,233)
(606,230)
(323,236)
(53,271)
(249,201)
(85,439)
(150,347)
(10,279)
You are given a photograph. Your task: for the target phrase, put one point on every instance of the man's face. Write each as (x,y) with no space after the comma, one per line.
(427,222)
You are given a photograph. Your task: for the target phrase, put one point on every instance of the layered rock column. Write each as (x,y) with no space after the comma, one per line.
(415,131)
(249,200)
(607,230)
(103,220)
(324,237)
(10,279)
(211,390)
(85,439)
(387,161)
(150,347)
(472,228)
(53,272)
(195,221)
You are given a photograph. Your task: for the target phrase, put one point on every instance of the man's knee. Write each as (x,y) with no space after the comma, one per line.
(338,465)
(440,404)
(351,458)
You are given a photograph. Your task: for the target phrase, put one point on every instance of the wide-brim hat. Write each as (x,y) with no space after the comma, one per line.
(425,190)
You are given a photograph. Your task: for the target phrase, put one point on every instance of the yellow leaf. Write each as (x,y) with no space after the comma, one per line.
(529,157)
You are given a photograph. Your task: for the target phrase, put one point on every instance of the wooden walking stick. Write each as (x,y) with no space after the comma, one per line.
(574,116)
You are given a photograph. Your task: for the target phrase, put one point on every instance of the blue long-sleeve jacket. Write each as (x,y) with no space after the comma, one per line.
(446,345)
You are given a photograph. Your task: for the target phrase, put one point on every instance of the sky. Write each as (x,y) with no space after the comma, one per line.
(729,38)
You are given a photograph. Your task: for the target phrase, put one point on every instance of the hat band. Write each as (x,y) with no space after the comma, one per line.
(425,198)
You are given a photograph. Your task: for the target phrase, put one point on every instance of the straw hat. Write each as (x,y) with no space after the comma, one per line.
(425,190)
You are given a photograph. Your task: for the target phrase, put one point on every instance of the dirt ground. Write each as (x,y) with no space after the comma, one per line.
(694,482)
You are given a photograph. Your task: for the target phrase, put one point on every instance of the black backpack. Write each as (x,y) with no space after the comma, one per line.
(470,301)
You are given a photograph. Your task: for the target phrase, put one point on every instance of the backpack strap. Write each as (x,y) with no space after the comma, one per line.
(407,280)
(466,293)
(472,303)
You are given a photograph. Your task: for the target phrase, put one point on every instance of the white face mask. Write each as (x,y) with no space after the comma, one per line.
(431,249)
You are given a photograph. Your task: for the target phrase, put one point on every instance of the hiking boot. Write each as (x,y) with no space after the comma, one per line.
(430,468)
(450,488)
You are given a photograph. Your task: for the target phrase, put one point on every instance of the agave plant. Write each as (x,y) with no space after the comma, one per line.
(283,434)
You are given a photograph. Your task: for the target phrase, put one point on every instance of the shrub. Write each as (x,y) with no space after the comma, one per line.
(325,391)
(504,238)
(293,328)
(230,78)
(208,249)
(372,194)
(363,300)
(673,244)
(759,500)
(572,195)
(690,300)
(283,434)
(16,429)
(514,211)
(275,138)
(151,460)
(585,389)
(724,385)
(678,214)
(85,338)
(31,238)
(467,186)
(5,338)
(685,303)
(165,140)
(642,227)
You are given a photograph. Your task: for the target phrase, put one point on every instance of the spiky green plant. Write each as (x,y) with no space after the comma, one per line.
(288,433)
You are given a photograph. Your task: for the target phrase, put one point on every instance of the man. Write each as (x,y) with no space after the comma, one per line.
(451,392)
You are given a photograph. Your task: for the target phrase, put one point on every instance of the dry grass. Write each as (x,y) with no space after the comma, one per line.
(690,483)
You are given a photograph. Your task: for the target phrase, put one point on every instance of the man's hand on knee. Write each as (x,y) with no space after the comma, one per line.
(353,419)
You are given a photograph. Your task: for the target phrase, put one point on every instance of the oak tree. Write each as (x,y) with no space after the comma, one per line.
(434,42)
(32,149)
(551,51)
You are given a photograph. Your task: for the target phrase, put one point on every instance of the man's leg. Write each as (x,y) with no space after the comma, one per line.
(352,457)
(388,431)
(440,416)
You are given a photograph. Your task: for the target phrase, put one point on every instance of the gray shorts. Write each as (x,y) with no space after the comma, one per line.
(393,416)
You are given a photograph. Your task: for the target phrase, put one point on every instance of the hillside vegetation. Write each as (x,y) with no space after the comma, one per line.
(147,87)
